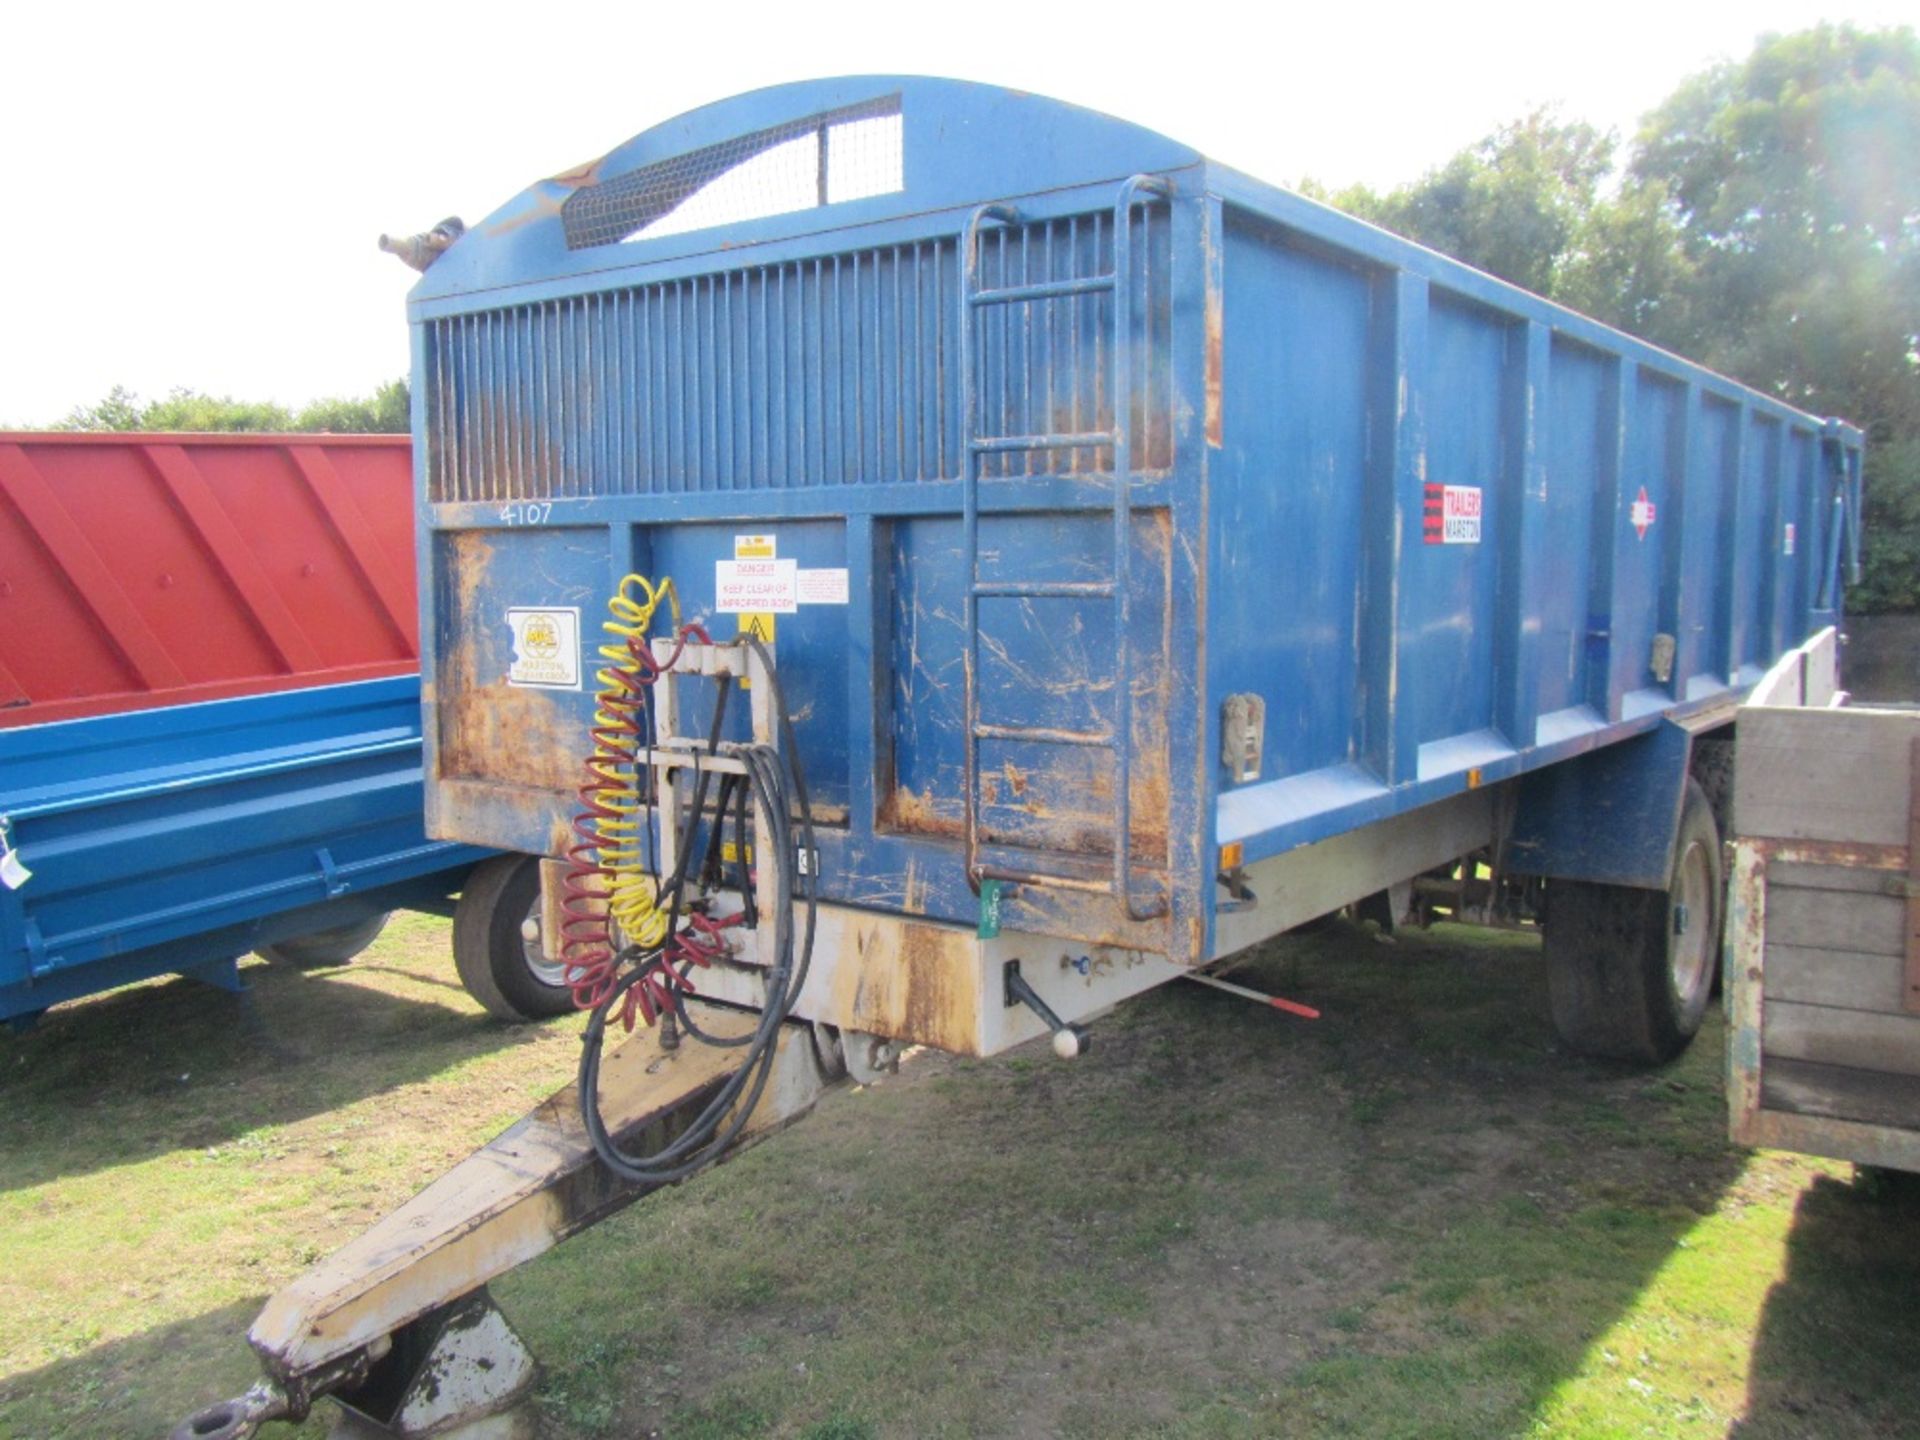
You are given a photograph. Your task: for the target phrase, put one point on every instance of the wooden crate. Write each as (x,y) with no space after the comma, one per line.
(1823,921)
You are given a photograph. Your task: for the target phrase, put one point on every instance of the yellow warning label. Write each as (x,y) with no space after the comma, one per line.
(730,852)
(753,547)
(759,625)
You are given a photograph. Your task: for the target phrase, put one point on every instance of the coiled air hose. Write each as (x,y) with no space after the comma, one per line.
(607,826)
(775,788)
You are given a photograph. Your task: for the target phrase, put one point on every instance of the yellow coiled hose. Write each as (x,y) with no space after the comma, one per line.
(632,894)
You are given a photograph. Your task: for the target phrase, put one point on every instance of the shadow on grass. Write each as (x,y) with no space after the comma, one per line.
(1834,1356)
(1411,1219)
(141,1386)
(176,1065)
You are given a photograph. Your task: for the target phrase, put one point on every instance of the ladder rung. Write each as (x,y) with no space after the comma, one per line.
(1045,877)
(1044,589)
(1015,876)
(998,444)
(1044,735)
(1042,290)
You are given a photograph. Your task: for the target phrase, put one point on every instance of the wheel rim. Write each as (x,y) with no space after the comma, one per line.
(547,972)
(1692,948)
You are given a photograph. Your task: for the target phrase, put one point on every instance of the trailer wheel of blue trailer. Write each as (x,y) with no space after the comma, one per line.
(1153,560)
(335,945)
(496,942)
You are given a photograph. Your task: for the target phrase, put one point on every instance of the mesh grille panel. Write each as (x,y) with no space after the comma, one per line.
(837,370)
(823,159)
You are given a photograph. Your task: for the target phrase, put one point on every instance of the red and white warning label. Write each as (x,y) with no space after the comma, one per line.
(1640,514)
(749,587)
(1451,515)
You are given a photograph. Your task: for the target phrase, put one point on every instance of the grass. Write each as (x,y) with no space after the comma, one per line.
(1412,1218)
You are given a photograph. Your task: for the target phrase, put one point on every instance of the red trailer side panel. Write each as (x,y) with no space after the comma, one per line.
(143,570)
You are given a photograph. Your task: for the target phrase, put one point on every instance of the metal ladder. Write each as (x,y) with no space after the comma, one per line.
(1117,739)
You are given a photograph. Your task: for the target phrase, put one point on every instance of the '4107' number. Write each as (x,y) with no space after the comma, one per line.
(534,512)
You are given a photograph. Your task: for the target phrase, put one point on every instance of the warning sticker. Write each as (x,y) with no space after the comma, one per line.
(743,587)
(1451,515)
(823,587)
(760,627)
(1640,514)
(753,547)
(546,648)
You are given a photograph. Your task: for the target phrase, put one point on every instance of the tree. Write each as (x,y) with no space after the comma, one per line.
(1512,205)
(386,411)
(1793,178)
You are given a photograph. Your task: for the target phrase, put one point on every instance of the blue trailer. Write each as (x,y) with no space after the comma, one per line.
(1087,561)
(178,839)
(1112,493)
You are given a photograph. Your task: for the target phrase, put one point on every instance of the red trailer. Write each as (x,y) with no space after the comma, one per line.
(147,570)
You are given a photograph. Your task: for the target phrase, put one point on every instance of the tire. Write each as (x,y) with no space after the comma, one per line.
(334,946)
(500,967)
(1630,972)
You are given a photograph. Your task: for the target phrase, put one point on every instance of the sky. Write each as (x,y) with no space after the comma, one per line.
(190,193)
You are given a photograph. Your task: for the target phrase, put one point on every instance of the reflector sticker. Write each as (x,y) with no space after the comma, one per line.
(1640,514)
(1787,546)
(1451,515)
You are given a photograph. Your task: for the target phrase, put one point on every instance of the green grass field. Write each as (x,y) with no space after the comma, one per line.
(1415,1217)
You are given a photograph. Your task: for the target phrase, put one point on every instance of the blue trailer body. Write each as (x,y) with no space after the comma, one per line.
(180,838)
(1446,532)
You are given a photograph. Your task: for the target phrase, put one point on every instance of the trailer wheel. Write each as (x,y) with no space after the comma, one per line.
(1630,971)
(499,964)
(334,946)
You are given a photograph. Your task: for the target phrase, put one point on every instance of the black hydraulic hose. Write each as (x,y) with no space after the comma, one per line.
(768,773)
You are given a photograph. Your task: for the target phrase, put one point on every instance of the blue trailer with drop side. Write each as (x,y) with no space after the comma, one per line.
(1157,559)
(179,839)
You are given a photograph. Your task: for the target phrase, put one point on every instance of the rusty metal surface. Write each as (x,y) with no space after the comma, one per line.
(1743,967)
(1912,995)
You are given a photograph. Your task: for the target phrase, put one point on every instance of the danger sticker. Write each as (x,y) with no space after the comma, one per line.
(823,587)
(546,648)
(754,547)
(747,587)
(1451,515)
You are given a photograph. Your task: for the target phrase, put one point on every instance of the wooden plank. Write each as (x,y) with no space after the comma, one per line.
(1883,1145)
(1832,775)
(1834,920)
(1846,979)
(1820,674)
(1913,878)
(1830,1036)
(1840,1092)
(1848,879)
